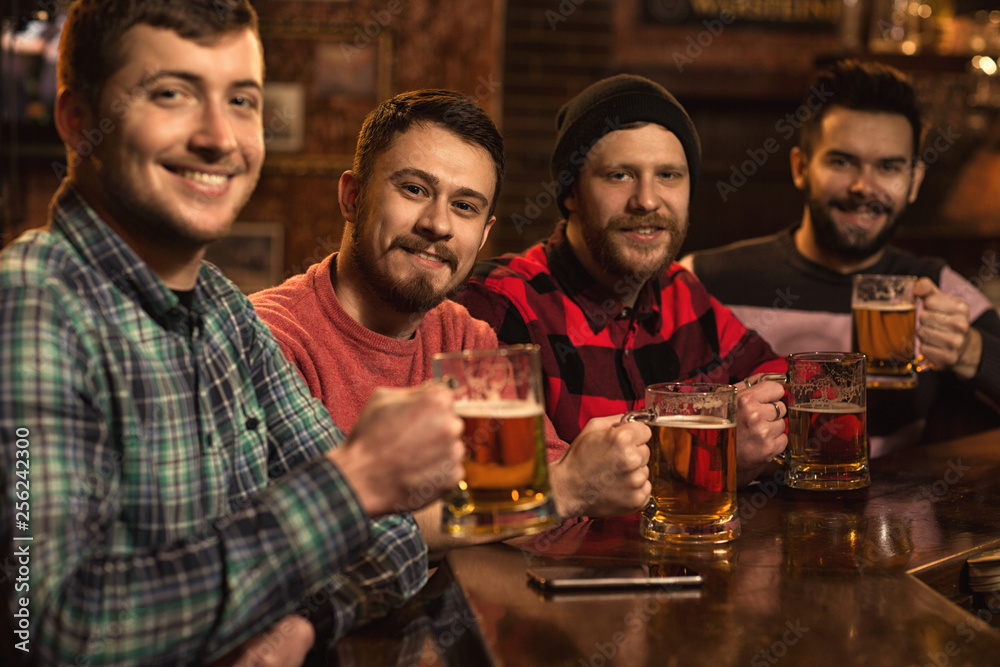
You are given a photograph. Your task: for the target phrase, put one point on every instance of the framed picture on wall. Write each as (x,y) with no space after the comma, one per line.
(284,117)
(341,72)
(251,255)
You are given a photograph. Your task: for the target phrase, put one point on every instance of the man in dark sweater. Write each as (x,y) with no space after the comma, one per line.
(858,165)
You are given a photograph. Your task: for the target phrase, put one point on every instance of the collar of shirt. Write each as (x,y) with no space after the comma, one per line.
(599,304)
(101,247)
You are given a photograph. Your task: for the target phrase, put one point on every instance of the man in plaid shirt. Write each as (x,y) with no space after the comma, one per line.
(603,297)
(171,490)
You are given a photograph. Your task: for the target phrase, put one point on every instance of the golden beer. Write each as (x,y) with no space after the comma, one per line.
(692,469)
(505,469)
(827,446)
(885,333)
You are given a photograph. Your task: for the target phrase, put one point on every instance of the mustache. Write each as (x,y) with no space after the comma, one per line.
(854,203)
(654,220)
(417,244)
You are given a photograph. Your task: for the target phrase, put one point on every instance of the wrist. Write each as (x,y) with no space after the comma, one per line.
(355,470)
(564,489)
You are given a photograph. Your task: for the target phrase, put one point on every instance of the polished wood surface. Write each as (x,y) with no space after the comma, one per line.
(869,577)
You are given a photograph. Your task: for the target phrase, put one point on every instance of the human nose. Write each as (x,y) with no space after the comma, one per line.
(434,219)
(644,197)
(215,133)
(863,181)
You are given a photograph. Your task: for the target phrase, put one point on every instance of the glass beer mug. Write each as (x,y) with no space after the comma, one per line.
(692,462)
(827,421)
(506,488)
(884,329)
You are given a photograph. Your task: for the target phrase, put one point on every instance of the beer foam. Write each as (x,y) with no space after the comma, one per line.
(693,421)
(882,306)
(830,408)
(498,409)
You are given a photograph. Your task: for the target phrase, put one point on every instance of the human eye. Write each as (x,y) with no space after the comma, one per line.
(467,208)
(412,189)
(893,168)
(839,161)
(249,102)
(617,175)
(166,94)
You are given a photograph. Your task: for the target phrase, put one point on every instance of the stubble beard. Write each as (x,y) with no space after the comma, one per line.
(416,295)
(619,257)
(156,220)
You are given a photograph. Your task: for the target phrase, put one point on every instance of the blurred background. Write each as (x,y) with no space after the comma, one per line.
(740,67)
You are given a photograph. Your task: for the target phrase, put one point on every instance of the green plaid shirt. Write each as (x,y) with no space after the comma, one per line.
(173,485)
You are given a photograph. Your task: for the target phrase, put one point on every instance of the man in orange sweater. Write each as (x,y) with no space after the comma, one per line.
(418,206)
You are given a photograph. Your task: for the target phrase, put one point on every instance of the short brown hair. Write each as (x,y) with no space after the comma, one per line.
(90,48)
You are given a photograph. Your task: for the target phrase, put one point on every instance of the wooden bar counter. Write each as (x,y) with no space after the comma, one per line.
(860,578)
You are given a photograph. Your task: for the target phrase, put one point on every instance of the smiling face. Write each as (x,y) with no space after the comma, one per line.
(177,138)
(628,213)
(857,182)
(416,228)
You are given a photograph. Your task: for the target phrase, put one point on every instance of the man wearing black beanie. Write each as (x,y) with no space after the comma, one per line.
(603,297)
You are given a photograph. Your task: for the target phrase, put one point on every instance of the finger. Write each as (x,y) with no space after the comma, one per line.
(644,454)
(603,423)
(932,341)
(925,287)
(631,459)
(631,435)
(954,322)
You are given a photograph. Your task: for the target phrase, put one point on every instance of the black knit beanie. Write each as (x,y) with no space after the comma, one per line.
(609,105)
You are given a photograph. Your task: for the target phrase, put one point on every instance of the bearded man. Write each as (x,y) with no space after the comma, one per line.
(418,205)
(603,297)
(858,165)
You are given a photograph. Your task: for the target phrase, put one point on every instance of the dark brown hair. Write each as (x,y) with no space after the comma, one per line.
(90,49)
(862,86)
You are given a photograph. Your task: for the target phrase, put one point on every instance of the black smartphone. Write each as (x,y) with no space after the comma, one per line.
(566,578)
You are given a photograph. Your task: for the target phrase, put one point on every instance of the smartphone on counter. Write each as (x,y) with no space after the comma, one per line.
(566,578)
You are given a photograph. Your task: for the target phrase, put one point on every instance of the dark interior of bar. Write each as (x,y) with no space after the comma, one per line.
(500,332)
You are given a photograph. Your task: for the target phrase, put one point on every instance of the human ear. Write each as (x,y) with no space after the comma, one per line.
(348,193)
(800,163)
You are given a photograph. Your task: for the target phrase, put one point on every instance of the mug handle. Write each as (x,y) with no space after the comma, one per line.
(645,415)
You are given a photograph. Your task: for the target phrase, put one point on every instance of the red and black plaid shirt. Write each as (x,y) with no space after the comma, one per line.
(598,356)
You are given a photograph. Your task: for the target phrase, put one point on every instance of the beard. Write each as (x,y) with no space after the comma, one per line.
(849,244)
(621,257)
(410,294)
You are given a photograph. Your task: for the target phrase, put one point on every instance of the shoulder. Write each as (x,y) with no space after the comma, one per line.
(899,261)
(290,304)
(47,265)
(514,276)
(680,287)
(511,267)
(38,256)
(456,327)
(733,257)
(749,272)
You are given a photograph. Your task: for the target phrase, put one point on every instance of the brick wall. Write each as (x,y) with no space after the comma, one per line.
(553,50)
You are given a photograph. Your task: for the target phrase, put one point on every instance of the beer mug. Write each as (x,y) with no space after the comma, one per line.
(692,462)
(827,425)
(506,488)
(885,324)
